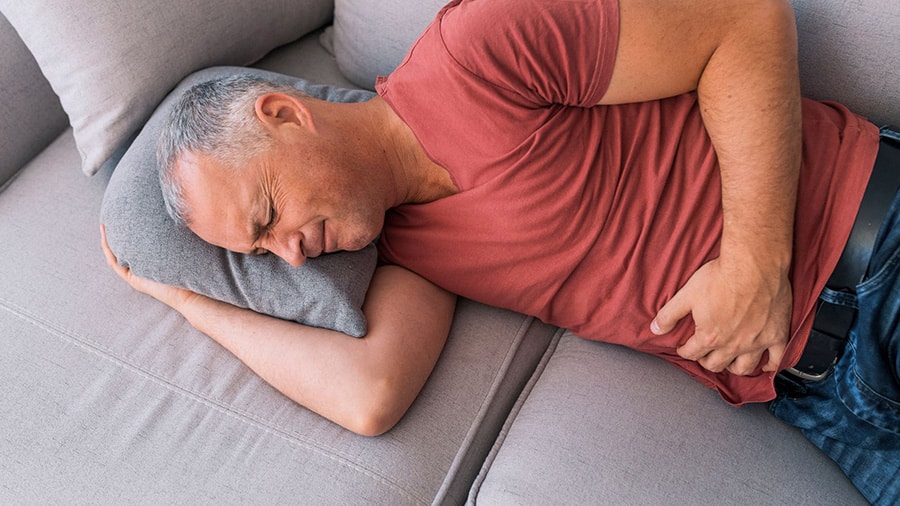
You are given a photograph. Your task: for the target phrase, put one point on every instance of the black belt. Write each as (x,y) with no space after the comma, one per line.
(833,322)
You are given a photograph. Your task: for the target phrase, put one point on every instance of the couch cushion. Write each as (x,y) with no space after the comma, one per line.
(606,425)
(848,53)
(371,38)
(112,64)
(30,114)
(325,292)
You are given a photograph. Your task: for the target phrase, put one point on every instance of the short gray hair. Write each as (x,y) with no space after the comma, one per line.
(217,118)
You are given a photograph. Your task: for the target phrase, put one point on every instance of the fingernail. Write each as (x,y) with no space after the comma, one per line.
(654,327)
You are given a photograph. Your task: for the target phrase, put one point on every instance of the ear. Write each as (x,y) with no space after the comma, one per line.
(277,110)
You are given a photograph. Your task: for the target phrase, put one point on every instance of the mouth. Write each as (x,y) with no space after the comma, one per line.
(327,246)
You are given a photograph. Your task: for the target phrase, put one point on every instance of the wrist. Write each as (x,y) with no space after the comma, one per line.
(771,259)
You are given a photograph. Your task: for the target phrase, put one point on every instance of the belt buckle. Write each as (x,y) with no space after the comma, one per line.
(811,377)
(824,347)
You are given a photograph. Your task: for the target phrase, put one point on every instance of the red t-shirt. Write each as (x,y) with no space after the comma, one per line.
(587,217)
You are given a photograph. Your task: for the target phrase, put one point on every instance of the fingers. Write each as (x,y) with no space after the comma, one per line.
(107,253)
(671,313)
(776,353)
(111,260)
(741,363)
(716,360)
(745,364)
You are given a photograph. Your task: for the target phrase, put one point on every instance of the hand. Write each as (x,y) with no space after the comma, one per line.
(173,296)
(739,313)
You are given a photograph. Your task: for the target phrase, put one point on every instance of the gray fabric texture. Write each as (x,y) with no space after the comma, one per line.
(30,114)
(326,292)
(112,63)
(849,53)
(306,57)
(109,397)
(371,38)
(607,425)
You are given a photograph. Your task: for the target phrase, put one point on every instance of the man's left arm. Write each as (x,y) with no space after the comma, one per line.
(740,57)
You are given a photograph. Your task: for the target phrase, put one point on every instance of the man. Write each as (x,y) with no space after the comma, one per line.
(611,167)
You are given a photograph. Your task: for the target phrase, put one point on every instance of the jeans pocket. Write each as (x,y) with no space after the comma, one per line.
(868,405)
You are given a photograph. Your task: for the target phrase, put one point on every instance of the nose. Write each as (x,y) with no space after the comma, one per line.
(288,248)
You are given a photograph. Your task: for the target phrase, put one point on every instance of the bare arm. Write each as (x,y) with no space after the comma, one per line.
(740,57)
(365,385)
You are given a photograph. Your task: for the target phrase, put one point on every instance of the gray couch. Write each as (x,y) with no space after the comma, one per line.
(108,397)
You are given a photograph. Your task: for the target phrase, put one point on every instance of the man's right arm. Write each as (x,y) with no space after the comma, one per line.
(363,384)
(740,56)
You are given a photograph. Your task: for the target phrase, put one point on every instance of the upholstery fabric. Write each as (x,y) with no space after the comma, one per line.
(602,424)
(848,52)
(371,38)
(30,114)
(327,291)
(111,64)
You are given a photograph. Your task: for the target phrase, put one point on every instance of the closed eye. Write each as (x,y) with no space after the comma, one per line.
(273,217)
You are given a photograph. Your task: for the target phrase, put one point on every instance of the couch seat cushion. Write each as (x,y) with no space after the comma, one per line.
(606,425)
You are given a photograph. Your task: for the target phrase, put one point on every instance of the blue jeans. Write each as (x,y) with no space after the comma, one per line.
(854,414)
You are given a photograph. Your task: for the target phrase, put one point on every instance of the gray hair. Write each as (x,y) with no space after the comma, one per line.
(217,118)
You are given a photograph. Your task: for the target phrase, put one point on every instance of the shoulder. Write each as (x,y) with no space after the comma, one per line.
(518,44)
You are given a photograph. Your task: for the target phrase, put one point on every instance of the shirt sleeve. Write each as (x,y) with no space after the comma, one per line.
(549,51)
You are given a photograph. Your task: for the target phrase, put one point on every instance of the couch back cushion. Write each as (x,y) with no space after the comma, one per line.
(848,48)
(30,114)
(370,38)
(850,52)
(112,61)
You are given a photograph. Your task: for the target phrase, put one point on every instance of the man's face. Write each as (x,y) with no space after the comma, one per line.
(294,207)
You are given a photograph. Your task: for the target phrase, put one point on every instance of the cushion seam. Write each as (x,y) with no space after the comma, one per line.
(487,402)
(513,414)
(240,415)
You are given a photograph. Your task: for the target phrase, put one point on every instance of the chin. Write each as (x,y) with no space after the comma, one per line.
(360,241)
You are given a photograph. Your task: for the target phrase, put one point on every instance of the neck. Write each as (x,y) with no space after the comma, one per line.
(412,176)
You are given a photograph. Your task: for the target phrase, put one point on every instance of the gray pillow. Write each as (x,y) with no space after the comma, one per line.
(112,61)
(30,114)
(326,292)
(371,38)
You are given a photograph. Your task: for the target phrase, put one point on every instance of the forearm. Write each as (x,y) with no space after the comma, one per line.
(363,384)
(750,102)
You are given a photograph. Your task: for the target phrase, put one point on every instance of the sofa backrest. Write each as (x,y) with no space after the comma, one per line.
(849,49)
(30,113)
(850,52)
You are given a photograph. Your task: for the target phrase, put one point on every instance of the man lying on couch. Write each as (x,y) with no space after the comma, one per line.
(609,167)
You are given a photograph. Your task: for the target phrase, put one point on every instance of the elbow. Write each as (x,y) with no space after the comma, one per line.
(371,426)
(378,409)
(774,17)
